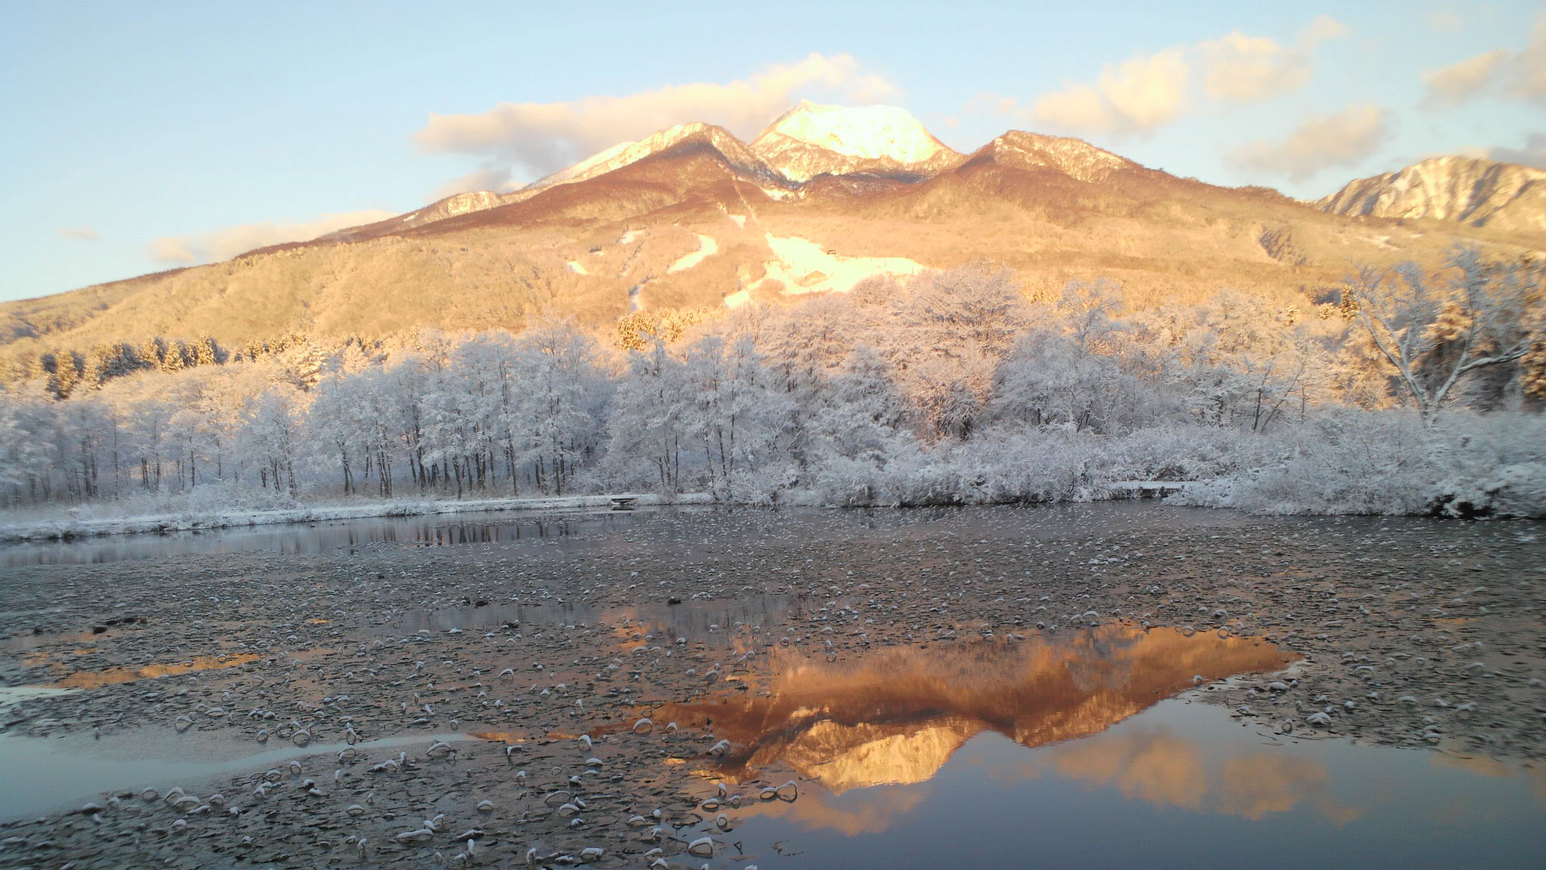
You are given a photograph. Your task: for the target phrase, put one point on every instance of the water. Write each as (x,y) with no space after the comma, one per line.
(319,537)
(1180,785)
(893,662)
(65,773)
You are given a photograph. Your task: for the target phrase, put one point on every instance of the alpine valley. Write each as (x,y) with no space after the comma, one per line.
(693,219)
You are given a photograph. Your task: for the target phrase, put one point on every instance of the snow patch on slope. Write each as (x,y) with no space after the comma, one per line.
(805,267)
(577,267)
(706,247)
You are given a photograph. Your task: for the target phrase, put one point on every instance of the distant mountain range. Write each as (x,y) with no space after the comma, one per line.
(692,217)
(1467,190)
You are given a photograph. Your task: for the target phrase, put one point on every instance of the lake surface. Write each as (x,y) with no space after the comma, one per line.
(1180,785)
(982,687)
(323,536)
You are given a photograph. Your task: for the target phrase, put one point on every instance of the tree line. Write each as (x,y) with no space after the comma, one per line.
(942,387)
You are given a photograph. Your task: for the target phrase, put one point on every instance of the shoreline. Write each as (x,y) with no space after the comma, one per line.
(66,530)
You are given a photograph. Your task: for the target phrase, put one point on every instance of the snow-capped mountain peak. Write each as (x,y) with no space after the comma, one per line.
(812,139)
(871,132)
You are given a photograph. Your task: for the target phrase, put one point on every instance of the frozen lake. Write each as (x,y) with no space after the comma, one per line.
(1108,684)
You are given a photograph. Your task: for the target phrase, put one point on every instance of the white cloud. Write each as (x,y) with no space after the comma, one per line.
(1517,75)
(1146,92)
(540,138)
(1322,29)
(493,177)
(83,234)
(1458,82)
(1133,98)
(1344,139)
(172,251)
(1249,69)
(1530,70)
(1532,154)
(227,243)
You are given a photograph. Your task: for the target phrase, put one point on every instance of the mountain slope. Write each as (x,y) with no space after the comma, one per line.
(1072,157)
(1468,190)
(692,218)
(732,151)
(735,155)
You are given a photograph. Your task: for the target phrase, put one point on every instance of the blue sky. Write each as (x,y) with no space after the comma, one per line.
(147,135)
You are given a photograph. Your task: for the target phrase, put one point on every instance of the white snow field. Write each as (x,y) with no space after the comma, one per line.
(805,267)
(707,247)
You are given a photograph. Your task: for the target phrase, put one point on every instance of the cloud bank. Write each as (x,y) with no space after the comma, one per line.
(1344,138)
(1517,75)
(227,243)
(1532,154)
(1146,92)
(1129,99)
(536,139)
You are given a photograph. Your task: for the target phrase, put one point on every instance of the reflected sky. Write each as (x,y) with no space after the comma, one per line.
(113,676)
(1178,785)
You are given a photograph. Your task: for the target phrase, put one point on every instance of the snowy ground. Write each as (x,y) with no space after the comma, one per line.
(805,267)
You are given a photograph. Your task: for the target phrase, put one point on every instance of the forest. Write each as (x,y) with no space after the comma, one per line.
(1398,392)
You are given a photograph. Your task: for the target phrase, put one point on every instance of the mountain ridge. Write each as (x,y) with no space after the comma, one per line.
(1453,188)
(617,234)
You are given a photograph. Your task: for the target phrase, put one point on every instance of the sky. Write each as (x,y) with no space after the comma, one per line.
(143,136)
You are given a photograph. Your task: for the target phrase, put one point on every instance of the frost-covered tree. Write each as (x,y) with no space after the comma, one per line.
(561,405)
(735,414)
(944,336)
(647,420)
(1434,331)
(271,438)
(334,424)
(1259,362)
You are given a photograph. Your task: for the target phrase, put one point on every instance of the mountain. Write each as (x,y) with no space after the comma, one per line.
(811,140)
(451,206)
(692,218)
(1466,190)
(1074,158)
(736,155)
(897,715)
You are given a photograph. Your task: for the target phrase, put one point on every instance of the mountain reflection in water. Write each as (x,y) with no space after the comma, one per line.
(896,715)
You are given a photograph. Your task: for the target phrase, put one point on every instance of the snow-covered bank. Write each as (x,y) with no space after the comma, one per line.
(81,523)
(1465,465)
